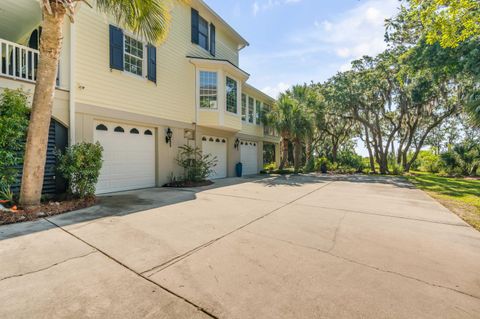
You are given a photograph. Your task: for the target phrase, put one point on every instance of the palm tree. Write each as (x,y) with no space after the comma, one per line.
(279,117)
(147,18)
(302,120)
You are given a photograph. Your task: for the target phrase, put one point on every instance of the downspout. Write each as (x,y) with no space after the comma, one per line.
(71,106)
(196,103)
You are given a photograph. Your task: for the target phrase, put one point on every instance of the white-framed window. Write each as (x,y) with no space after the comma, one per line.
(231,95)
(244,107)
(251,109)
(258,111)
(133,55)
(208,90)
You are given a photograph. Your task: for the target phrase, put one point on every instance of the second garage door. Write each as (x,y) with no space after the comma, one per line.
(249,157)
(217,147)
(128,157)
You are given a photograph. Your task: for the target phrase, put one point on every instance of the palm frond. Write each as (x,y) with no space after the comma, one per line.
(149,19)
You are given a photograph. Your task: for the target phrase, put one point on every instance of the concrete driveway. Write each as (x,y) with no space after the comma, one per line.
(279,247)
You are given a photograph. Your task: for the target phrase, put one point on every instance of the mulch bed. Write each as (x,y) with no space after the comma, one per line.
(47,209)
(183,184)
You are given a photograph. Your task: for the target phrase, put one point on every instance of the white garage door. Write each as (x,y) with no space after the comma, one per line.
(217,147)
(128,157)
(249,157)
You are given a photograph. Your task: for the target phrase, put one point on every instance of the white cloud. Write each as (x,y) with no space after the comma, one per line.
(264,5)
(357,32)
(276,90)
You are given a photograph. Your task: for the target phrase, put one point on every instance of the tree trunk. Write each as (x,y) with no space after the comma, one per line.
(370,153)
(37,138)
(334,151)
(284,153)
(308,149)
(297,154)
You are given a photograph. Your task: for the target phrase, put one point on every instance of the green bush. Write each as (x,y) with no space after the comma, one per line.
(197,167)
(349,161)
(396,169)
(80,166)
(428,161)
(13,131)
(462,159)
(322,164)
(270,167)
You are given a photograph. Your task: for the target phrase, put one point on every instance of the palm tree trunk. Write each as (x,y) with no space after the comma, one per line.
(37,138)
(297,154)
(284,153)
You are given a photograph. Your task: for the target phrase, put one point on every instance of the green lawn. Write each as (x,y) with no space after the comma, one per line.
(461,195)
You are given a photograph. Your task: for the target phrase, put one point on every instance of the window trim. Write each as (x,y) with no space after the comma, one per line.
(236,95)
(199,90)
(246,107)
(144,59)
(248,110)
(257,114)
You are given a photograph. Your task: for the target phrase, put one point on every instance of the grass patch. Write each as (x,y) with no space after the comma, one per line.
(461,195)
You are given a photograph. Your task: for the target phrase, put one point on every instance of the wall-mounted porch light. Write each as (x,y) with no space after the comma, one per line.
(168,137)
(237,142)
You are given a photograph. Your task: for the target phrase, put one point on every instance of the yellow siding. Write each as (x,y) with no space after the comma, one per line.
(208,118)
(232,122)
(174,95)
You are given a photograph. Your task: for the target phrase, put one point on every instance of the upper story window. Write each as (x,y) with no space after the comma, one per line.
(231,88)
(244,107)
(251,108)
(133,56)
(258,111)
(203,33)
(208,90)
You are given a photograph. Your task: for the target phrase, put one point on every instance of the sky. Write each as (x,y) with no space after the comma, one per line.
(299,41)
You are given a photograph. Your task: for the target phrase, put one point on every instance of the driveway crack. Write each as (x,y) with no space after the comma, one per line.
(328,252)
(199,308)
(48,267)
(154,270)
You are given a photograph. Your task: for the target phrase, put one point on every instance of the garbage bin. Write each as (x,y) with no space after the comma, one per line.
(238,169)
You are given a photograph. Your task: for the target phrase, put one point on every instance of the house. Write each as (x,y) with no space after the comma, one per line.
(142,101)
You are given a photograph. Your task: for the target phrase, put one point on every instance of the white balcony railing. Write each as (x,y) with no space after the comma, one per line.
(18,61)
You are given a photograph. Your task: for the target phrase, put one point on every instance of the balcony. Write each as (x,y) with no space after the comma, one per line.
(18,62)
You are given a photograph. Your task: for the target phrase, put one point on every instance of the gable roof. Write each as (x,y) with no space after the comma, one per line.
(241,40)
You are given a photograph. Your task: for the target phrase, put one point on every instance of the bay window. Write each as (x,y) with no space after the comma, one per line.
(208,90)
(244,107)
(231,94)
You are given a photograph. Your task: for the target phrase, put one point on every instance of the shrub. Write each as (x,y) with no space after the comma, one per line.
(197,167)
(80,166)
(322,164)
(397,169)
(349,161)
(428,161)
(309,165)
(13,131)
(462,159)
(270,167)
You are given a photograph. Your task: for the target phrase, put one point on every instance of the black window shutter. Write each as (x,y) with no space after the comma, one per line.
(195,21)
(212,39)
(152,63)
(116,48)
